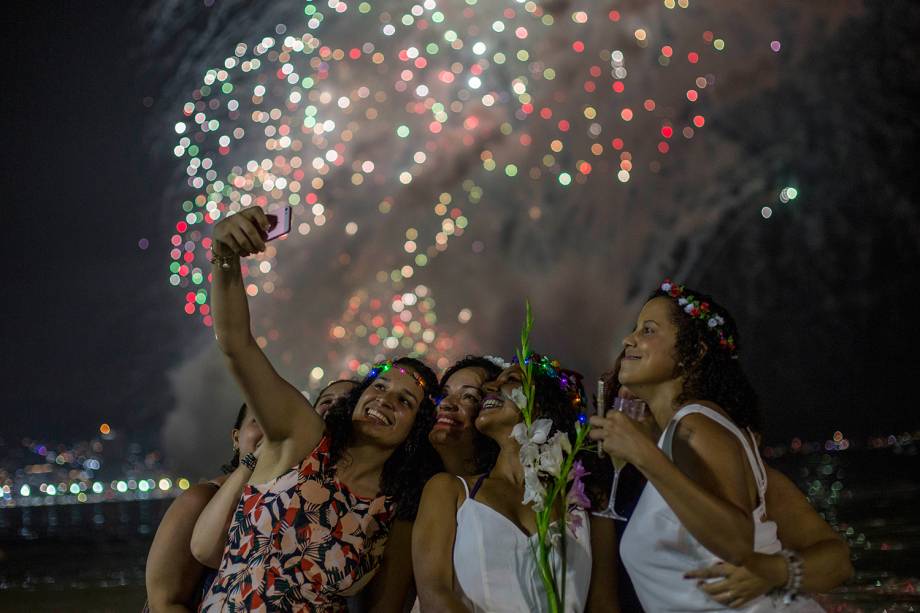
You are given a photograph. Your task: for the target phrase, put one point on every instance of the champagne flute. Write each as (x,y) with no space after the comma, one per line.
(601,405)
(632,408)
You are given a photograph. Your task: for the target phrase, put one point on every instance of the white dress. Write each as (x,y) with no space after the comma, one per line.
(495,567)
(657,550)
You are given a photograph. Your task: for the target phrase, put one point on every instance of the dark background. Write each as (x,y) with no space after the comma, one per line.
(827,299)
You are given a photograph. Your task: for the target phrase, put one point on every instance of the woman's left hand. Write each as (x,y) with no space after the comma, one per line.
(738,586)
(621,437)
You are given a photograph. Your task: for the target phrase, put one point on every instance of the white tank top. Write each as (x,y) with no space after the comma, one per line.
(496,569)
(657,550)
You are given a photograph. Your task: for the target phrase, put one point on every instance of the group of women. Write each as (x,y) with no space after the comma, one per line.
(404,492)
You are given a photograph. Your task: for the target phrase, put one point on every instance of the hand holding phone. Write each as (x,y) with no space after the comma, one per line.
(279,224)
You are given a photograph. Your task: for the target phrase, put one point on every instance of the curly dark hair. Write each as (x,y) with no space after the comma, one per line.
(412,463)
(234,462)
(554,401)
(712,372)
(485,449)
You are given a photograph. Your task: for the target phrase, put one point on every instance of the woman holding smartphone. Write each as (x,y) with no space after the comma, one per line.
(315,517)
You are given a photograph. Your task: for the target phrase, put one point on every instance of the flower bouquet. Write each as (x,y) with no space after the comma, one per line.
(553,478)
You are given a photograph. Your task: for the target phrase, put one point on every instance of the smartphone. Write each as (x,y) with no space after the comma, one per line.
(279,224)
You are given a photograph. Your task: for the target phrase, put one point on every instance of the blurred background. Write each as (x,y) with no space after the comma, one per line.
(444,161)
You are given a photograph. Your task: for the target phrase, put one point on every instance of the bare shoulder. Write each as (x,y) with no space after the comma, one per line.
(708,453)
(706,437)
(443,484)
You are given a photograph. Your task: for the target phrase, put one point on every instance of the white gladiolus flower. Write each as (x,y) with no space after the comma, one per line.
(536,434)
(534,492)
(551,457)
(517,395)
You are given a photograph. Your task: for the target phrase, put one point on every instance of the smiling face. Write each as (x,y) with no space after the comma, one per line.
(386,410)
(649,350)
(332,394)
(247,436)
(499,414)
(461,399)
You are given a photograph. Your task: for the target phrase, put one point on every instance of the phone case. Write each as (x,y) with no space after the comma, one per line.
(281,224)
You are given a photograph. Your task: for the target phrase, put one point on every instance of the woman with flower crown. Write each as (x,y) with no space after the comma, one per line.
(474,541)
(314,522)
(705,500)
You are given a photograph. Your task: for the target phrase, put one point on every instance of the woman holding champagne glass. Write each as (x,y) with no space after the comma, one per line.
(705,501)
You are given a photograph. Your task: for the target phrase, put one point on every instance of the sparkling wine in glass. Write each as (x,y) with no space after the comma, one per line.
(632,408)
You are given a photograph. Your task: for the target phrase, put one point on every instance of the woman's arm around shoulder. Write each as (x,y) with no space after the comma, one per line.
(433,544)
(172,574)
(825,554)
(210,534)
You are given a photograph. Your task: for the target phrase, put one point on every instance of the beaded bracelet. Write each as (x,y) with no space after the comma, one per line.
(249,461)
(794,574)
(225,262)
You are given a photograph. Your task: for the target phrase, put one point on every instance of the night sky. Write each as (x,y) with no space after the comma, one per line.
(825,290)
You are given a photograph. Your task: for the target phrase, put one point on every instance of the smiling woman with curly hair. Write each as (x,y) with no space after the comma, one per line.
(315,518)
(705,502)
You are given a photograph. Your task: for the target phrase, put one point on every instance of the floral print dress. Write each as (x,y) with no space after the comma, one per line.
(302,542)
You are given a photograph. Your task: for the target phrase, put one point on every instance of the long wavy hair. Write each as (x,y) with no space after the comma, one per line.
(558,403)
(412,463)
(712,372)
(485,450)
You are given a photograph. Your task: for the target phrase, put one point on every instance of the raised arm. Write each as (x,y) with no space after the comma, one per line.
(603,596)
(433,544)
(172,575)
(209,537)
(282,411)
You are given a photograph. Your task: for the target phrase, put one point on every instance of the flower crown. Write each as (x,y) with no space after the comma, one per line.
(696,309)
(382,367)
(568,380)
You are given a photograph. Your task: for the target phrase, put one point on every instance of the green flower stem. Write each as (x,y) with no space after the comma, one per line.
(557,492)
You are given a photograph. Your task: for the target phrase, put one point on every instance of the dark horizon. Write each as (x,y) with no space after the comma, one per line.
(824,291)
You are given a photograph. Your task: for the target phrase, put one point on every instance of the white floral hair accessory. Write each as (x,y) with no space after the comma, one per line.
(701,310)
(498,361)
